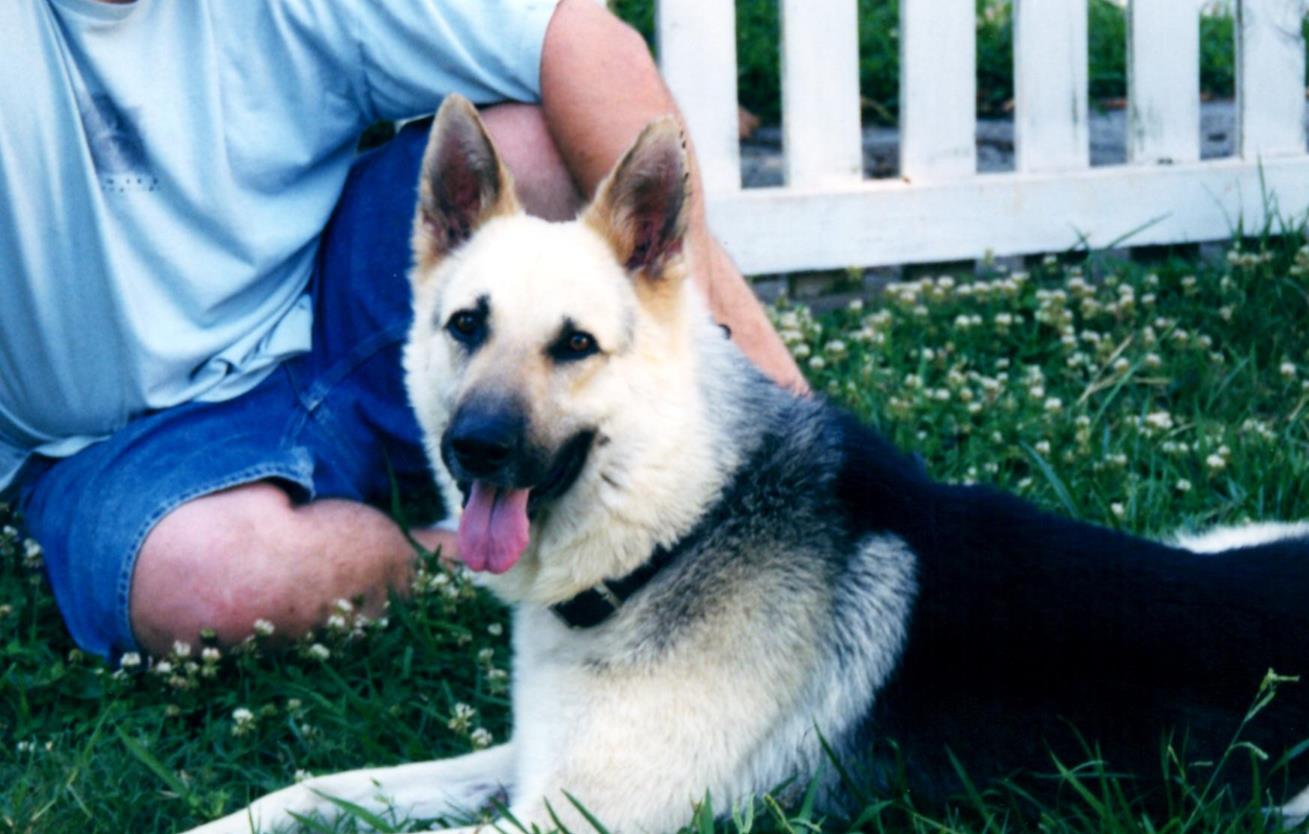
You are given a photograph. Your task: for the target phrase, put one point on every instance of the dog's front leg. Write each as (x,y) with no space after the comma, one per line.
(413,791)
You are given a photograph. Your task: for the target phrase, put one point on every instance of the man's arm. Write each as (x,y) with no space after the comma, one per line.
(599,87)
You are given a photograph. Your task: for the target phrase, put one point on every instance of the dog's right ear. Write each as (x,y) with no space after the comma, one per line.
(463,183)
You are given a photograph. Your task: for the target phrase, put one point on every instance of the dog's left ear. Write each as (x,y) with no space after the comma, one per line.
(463,182)
(641,208)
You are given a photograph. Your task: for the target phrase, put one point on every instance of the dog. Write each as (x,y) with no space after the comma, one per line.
(720,586)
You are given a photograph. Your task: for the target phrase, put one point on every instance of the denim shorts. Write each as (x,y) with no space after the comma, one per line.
(334,422)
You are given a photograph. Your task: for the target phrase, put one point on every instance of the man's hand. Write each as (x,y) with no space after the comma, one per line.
(599,87)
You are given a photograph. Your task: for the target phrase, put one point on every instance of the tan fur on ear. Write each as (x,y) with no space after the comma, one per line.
(463,184)
(642,207)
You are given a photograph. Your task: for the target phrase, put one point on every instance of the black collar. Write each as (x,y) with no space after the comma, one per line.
(592,607)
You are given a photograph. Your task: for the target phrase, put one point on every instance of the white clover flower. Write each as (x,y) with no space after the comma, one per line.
(344,606)
(163,667)
(210,655)
(461,717)
(129,660)
(318,652)
(181,649)
(303,776)
(1054,405)
(32,550)
(481,738)
(1043,447)
(495,629)
(1188,282)
(243,721)
(1183,485)
(263,628)
(1153,360)
(1036,392)
(1287,370)
(1226,313)
(337,623)
(1216,462)
(817,363)
(1159,420)
(1117,509)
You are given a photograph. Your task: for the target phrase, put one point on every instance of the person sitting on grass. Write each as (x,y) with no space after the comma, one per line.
(205,293)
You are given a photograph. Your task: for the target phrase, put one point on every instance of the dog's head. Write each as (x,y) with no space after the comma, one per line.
(544,357)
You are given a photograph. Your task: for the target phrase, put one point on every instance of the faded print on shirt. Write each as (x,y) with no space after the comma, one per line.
(120,158)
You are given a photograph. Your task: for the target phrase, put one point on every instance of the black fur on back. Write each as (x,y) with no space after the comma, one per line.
(1034,635)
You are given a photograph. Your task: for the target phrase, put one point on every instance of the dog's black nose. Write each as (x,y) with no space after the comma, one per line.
(484,442)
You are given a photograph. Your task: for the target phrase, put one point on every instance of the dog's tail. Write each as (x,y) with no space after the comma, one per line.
(1244,536)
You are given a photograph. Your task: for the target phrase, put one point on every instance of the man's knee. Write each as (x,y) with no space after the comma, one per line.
(218,562)
(545,187)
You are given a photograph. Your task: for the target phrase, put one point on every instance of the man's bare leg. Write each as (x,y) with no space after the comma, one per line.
(225,560)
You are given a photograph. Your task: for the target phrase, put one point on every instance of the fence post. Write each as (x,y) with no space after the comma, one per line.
(1269,78)
(1050,85)
(697,55)
(938,89)
(822,136)
(1163,81)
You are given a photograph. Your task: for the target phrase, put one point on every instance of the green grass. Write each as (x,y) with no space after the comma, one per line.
(879,54)
(1144,397)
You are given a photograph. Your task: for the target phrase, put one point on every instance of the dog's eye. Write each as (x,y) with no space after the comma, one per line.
(466,326)
(573,345)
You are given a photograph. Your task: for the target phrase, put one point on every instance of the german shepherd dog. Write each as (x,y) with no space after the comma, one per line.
(720,586)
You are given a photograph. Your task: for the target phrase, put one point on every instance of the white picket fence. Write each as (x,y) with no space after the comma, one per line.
(828,215)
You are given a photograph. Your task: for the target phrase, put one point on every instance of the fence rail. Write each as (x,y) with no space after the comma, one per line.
(827,215)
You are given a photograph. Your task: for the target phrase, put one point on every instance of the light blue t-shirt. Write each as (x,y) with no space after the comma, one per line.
(166,167)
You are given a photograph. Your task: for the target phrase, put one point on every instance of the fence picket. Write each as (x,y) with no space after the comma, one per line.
(697,55)
(1270,88)
(1050,85)
(938,54)
(820,92)
(1163,81)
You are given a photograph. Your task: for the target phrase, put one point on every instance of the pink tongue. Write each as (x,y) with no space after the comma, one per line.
(493,528)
